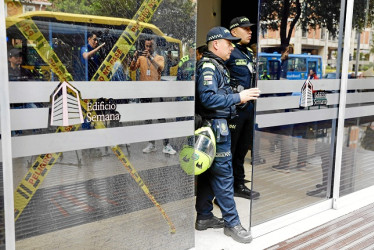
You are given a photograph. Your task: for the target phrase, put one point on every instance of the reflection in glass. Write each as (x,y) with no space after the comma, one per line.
(291,136)
(90,192)
(357,167)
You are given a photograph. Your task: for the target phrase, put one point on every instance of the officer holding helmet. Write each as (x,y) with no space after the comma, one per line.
(216,102)
(242,72)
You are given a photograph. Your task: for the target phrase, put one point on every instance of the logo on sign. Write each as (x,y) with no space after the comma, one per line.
(66,109)
(310,97)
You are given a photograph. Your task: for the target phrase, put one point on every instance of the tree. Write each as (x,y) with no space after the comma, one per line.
(177,18)
(284,15)
(174,17)
(112,8)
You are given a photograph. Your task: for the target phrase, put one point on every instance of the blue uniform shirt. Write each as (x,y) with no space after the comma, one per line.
(240,73)
(93,62)
(215,98)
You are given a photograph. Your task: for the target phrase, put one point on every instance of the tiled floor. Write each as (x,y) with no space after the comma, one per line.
(352,231)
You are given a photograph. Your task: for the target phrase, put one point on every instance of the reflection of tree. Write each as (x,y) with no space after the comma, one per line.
(174,17)
(177,18)
(283,15)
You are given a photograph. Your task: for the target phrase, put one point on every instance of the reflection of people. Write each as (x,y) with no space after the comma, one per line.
(151,66)
(199,52)
(16,72)
(312,74)
(121,70)
(242,73)
(284,62)
(170,62)
(186,66)
(265,75)
(89,54)
(215,102)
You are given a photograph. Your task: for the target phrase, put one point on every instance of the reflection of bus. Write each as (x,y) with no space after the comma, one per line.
(67,33)
(298,65)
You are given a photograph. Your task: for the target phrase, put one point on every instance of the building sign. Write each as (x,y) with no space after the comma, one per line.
(310,97)
(102,110)
(66,109)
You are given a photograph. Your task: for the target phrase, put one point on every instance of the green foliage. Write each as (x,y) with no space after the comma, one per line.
(276,15)
(177,18)
(174,17)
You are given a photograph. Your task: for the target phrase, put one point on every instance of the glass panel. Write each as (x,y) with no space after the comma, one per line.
(295,117)
(2,222)
(98,121)
(357,159)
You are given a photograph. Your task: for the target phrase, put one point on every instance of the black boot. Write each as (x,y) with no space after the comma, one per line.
(213,222)
(240,190)
(238,233)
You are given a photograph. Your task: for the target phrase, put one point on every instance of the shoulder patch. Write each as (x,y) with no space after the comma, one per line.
(209,65)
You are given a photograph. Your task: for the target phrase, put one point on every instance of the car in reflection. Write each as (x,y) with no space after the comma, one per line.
(331,75)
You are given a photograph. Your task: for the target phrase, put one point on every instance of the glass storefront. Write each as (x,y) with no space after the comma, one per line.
(100,108)
(101,102)
(357,154)
(296,115)
(298,144)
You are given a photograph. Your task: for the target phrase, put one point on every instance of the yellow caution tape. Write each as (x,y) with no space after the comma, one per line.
(32,33)
(126,40)
(31,182)
(43,164)
(127,164)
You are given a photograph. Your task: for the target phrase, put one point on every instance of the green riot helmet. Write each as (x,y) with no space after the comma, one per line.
(197,159)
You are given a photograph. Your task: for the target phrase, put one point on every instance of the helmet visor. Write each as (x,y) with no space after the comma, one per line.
(204,144)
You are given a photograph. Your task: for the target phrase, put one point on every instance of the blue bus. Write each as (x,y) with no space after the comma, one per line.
(297,69)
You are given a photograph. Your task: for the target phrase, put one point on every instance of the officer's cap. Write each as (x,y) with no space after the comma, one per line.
(15,52)
(241,21)
(220,33)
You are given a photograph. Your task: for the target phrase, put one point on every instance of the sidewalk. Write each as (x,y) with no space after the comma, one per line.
(353,230)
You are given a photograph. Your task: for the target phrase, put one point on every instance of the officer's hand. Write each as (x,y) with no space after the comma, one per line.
(249,94)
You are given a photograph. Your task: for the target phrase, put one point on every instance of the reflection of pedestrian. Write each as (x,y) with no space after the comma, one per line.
(242,76)
(151,66)
(215,102)
(284,62)
(16,72)
(199,52)
(265,75)
(186,66)
(312,74)
(170,62)
(121,70)
(90,56)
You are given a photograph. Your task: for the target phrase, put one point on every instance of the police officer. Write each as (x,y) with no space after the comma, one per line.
(242,72)
(186,66)
(265,75)
(215,102)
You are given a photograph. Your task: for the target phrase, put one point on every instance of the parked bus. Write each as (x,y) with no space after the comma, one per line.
(297,69)
(67,33)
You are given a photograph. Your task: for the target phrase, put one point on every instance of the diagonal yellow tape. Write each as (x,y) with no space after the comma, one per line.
(43,164)
(126,40)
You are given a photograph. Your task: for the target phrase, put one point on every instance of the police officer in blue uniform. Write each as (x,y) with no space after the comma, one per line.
(242,72)
(216,102)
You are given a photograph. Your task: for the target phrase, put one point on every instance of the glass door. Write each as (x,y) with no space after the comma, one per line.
(295,118)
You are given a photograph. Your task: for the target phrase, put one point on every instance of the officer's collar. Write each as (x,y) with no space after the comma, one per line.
(210,54)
